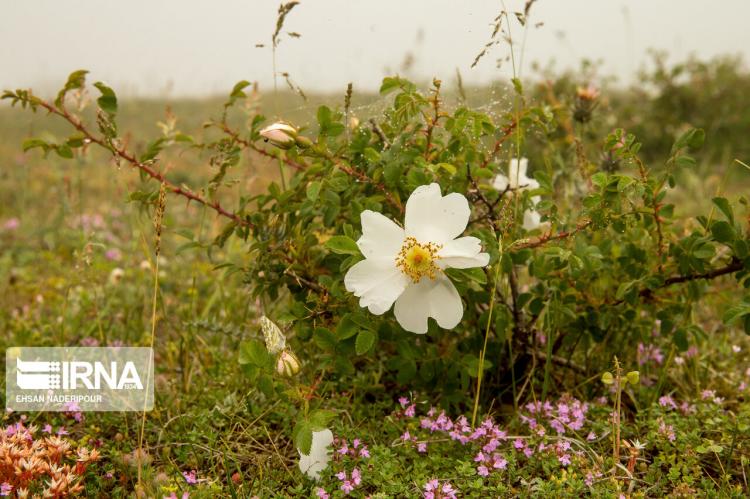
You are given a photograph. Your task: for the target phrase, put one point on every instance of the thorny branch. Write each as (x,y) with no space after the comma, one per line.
(121,153)
(379,132)
(506,131)
(546,238)
(735,265)
(349,170)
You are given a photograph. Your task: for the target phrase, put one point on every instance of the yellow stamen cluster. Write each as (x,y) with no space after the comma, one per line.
(418,259)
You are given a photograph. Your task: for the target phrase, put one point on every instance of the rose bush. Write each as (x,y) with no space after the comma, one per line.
(529,276)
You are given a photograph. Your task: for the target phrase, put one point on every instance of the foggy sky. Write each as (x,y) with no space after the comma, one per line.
(190,47)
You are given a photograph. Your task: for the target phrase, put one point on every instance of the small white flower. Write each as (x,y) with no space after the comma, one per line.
(520,182)
(279,134)
(736,349)
(405,265)
(315,462)
(532,219)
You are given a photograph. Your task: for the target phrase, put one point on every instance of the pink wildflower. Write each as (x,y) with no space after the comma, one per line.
(190,477)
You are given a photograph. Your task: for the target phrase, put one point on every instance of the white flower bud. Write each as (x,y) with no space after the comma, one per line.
(287,364)
(280,134)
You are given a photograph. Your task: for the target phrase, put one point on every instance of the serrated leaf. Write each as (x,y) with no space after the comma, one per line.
(735,312)
(76,80)
(346,328)
(725,208)
(680,339)
(64,151)
(313,189)
(302,436)
(253,352)
(320,418)
(723,231)
(29,144)
(365,341)
(371,155)
(325,339)
(342,245)
(108,100)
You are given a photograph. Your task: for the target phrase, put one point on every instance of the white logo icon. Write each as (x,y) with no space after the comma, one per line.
(37,375)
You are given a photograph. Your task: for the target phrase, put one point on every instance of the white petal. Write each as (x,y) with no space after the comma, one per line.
(531,219)
(436,298)
(501,182)
(381,237)
(315,462)
(529,184)
(377,283)
(431,217)
(463,253)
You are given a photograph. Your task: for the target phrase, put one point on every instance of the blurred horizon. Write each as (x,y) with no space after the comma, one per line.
(192,49)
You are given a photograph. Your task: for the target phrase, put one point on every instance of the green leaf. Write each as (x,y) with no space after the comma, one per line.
(704,251)
(324,116)
(254,352)
(29,144)
(237,93)
(365,341)
(371,155)
(342,245)
(320,418)
(108,100)
(325,339)
(684,161)
(475,274)
(680,339)
(692,138)
(447,167)
(64,151)
(735,312)
(76,80)
(696,138)
(313,189)
(302,436)
(725,208)
(346,328)
(392,83)
(723,231)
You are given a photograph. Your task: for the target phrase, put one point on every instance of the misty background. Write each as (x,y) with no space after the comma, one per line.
(197,48)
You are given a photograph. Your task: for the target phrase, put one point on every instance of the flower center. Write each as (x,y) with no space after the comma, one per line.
(418,259)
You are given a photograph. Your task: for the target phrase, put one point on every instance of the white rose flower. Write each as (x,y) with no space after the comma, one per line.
(315,462)
(519,181)
(406,265)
